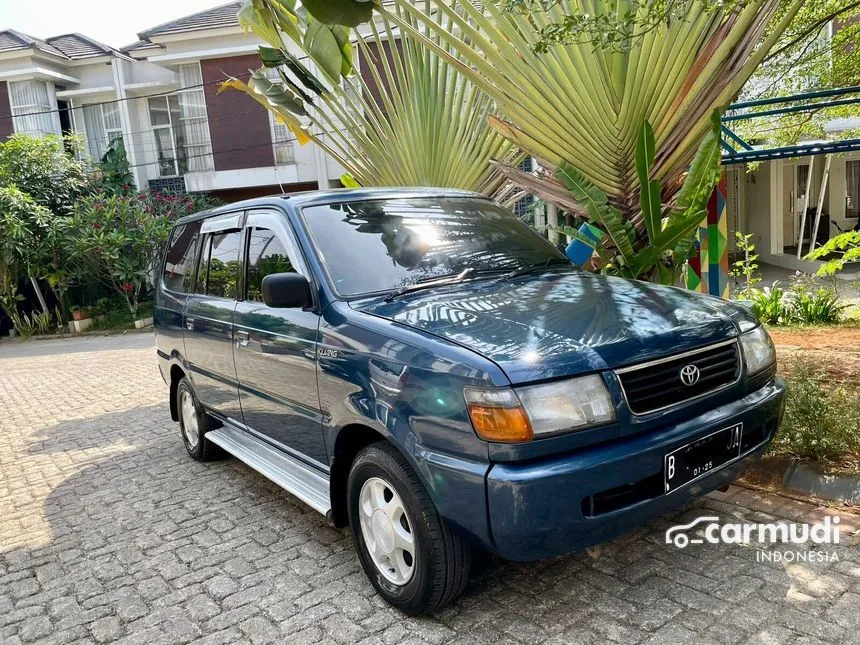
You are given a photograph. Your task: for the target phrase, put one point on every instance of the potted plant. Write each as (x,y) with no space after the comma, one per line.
(80,313)
(99,310)
(81,320)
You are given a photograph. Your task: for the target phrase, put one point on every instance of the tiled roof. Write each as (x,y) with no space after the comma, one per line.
(222,16)
(77,46)
(140,44)
(11,40)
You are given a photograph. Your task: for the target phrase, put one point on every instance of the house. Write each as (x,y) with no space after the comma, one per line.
(781,197)
(791,194)
(161,96)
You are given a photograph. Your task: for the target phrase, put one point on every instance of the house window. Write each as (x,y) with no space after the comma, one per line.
(102,124)
(193,128)
(33,110)
(282,138)
(180,128)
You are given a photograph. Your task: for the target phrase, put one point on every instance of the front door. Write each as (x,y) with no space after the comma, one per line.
(208,317)
(801,185)
(275,349)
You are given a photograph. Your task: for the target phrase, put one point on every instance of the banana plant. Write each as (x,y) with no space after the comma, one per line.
(580,109)
(668,227)
(409,119)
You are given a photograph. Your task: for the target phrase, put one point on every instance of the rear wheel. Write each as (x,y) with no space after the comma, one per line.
(411,556)
(194,423)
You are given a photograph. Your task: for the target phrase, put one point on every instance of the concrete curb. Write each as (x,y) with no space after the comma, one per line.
(6,340)
(803,477)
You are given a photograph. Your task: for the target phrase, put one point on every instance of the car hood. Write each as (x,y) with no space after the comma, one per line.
(565,322)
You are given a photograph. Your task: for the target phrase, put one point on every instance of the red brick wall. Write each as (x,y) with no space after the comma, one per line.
(364,66)
(238,125)
(6,127)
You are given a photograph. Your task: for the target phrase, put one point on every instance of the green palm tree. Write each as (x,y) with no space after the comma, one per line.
(409,119)
(616,129)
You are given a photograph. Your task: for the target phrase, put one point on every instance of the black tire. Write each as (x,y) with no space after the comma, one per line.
(203,449)
(442,560)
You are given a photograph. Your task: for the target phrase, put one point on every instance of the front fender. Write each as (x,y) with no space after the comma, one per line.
(411,394)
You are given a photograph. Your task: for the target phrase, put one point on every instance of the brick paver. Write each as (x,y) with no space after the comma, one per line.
(108,531)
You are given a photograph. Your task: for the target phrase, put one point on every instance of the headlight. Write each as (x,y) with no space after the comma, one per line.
(533,411)
(758,350)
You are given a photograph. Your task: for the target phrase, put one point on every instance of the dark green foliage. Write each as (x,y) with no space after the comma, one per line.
(658,252)
(806,302)
(821,421)
(44,169)
(116,177)
(112,239)
(769,305)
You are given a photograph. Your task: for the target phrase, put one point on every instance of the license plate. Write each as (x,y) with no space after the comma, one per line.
(700,457)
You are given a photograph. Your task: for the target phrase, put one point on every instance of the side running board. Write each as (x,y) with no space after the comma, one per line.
(309,485)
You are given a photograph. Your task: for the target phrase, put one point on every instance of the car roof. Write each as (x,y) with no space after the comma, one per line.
(333,196)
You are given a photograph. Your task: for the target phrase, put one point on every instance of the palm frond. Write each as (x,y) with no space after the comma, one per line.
(408,118)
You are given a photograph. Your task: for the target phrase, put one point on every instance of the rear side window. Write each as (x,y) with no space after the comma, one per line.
(219,265)
(179,262)
(266,255)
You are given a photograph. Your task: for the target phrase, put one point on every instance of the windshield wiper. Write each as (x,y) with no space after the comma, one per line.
(429,284)
(534,267)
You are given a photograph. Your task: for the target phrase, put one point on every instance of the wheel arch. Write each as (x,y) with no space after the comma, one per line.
(176,374)
(348,442)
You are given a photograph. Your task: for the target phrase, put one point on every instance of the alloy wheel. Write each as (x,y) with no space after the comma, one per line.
(387,531)
(190,423)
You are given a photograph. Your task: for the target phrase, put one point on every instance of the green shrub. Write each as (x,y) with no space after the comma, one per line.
(814,302)
(817,308)
(115,241)
(807,301)
(769,305)
(745,270)
(44,169)
(821,422)
(37,323)
(116,318)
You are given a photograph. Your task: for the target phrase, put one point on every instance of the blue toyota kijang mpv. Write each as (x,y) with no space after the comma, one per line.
(425,368)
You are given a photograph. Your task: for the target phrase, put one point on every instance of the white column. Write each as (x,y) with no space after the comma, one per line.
(125,119)
(838,193)
(551,221)
(777,177)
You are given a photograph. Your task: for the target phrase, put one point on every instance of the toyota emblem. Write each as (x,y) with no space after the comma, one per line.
(689,375)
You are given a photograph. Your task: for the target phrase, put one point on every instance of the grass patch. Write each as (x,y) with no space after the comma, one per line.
(822,418)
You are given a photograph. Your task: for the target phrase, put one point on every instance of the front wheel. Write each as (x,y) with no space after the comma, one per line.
(411,556)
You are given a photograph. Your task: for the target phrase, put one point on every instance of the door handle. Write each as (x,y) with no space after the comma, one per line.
(242,338)
(189,324)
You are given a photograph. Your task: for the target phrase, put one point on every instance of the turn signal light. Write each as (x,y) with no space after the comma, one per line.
(497,415)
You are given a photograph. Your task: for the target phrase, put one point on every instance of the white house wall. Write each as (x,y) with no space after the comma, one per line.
(130,82)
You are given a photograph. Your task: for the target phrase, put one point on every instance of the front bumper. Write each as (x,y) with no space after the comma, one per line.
(545,508)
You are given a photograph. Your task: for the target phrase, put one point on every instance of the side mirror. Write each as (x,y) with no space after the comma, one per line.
(286,290)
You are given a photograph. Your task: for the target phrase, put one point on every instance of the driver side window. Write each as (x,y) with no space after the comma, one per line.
(267,254)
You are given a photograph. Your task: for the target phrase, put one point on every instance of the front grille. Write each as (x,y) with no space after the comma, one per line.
(657,385)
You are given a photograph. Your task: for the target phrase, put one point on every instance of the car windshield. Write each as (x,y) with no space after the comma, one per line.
(384,245)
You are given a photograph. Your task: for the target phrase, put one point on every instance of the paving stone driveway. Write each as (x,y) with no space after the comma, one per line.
(109,532)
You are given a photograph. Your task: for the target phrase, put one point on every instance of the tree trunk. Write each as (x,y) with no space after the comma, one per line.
(38,290)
